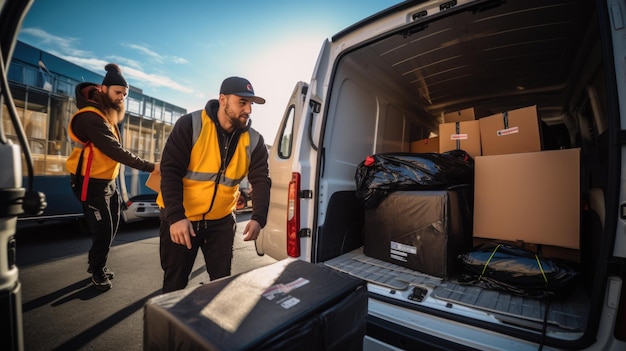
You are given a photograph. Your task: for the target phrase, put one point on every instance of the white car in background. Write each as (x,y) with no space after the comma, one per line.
(140,207)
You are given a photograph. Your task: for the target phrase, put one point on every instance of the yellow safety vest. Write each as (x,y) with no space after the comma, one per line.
(209,192)
(102,166)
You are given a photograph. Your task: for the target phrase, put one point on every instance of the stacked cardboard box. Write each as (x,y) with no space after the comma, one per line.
(460,136)
(467,114)
(510,132)
(425,145)
(531,197)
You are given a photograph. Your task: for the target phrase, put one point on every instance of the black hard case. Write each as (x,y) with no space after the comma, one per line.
(288,305)
(421,230)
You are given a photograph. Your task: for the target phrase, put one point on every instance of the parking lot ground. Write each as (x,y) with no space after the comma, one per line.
(63,311)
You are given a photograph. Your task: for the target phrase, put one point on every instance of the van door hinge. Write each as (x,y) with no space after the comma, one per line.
(315,106)
(304,233)
(306,194)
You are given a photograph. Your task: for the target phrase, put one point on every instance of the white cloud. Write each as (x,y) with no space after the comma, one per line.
(66,45)
(146,51)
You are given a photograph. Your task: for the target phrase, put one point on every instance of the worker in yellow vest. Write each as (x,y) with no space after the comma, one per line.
(94,164)
(207,154)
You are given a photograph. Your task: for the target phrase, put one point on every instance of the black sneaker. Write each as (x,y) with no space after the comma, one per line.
(101,282)
(105,270)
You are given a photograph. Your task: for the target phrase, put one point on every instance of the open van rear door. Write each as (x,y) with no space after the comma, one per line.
(272,239)
(294,150)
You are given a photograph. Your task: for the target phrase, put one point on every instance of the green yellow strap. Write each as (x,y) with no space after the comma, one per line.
(489,260)
(541,269)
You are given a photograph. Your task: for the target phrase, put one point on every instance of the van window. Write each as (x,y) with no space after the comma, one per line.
(286,139)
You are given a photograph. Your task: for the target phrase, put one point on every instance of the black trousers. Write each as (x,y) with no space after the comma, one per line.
(215,239)
(102,215)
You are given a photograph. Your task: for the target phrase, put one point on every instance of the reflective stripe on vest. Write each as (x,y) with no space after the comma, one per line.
(196,124)
(205,196)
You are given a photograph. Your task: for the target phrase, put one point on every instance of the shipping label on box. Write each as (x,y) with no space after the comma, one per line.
(425,145)
(460,136)
(459,116)
(510,132)
(529,197)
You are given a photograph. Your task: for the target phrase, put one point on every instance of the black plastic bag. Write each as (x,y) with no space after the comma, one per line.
(516,270)
(380,174)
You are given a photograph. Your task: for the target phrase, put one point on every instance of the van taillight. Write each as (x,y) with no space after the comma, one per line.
(293,216)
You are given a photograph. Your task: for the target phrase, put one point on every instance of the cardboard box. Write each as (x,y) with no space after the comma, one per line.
(529,197)
(460,135)
(290,304)
(510,132)
(425,145)
(154,182)
(421,230)
(467,114)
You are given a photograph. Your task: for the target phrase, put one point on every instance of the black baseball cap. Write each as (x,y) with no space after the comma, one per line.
(240,87)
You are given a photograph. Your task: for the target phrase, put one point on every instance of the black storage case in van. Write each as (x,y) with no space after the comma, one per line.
(424,230)
(288,305)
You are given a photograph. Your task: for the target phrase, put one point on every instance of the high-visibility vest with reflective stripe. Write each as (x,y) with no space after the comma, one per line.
(102,166)
(210,192)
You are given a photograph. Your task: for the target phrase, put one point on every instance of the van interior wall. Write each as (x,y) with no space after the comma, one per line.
(379,116)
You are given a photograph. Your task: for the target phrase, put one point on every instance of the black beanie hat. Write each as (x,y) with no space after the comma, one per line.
(114,76)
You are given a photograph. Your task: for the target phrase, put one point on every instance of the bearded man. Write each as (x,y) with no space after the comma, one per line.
(207,155)
(95,162)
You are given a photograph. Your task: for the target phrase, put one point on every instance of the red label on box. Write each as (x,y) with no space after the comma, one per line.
(458,137)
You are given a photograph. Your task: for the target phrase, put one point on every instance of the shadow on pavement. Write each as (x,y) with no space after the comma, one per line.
(99,328)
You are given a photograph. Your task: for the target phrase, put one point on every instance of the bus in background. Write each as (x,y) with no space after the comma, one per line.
(43,86)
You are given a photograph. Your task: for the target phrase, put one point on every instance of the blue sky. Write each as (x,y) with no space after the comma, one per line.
(180,51)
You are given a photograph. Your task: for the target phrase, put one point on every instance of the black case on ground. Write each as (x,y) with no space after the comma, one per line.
(288,305)
(421,230)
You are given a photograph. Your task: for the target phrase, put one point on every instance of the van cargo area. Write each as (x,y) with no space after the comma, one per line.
(528,89)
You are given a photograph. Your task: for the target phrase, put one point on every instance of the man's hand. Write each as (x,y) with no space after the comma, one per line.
(252,230)
(181,232)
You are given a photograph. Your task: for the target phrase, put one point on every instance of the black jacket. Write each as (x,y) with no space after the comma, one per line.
(89,126)
(175,160)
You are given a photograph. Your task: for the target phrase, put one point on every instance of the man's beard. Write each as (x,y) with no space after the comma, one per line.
(236,121)
(109,104)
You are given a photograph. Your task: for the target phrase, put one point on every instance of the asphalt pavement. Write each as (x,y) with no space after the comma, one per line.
(61,310)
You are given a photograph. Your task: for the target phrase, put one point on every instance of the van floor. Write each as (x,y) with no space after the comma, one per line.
(568,312)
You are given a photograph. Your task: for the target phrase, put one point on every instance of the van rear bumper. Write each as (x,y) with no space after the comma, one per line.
(408,339)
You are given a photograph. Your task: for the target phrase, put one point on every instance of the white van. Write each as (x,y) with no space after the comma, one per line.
(388,83)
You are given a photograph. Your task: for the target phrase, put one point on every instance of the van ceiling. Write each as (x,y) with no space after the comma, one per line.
(517,54)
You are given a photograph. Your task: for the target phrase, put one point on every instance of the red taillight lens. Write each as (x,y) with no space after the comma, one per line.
(293,216)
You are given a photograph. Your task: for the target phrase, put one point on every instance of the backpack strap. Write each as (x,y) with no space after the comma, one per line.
(85,181)
(88,144)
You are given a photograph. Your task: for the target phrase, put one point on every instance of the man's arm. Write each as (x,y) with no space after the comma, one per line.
(259,178)
(92,127)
